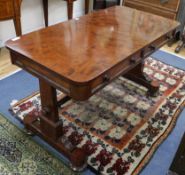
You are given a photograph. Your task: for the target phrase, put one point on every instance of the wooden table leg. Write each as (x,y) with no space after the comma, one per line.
(17,24)
(136,75)
(17,17)
(86,6)
(45,9)
(70,9)
(49,127)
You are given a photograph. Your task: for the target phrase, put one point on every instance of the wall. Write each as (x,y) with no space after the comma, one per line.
(32,17)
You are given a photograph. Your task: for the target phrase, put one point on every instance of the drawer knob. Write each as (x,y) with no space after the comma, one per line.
(133,60)
(106,78)
(169,37)
(152,47)
(19,63)
(142,54)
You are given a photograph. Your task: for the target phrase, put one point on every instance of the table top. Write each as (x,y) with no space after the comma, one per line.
(82,49)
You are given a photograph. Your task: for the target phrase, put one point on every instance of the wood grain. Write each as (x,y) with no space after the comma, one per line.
(81,50)
(10,9)
(168,9)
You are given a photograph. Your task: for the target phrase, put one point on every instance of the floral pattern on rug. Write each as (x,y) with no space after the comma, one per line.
(20,155)
(120,126)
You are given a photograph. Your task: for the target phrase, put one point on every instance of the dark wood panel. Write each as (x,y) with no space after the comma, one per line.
(151,9)
(101,4)
(171,5)
(6,9)
(10,9)
(168,8)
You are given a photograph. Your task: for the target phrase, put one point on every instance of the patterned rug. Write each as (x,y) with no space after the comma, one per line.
(20,155)
(120,127)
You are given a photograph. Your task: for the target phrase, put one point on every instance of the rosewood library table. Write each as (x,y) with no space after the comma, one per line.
(81,56)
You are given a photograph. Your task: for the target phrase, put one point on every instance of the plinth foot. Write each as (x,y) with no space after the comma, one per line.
(78,160)
(136,75)
(78,169)
(50,128)
(77,157)
(153,89)
(151,85)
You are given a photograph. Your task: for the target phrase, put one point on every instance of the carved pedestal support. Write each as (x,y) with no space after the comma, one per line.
(136,75)
(49,127)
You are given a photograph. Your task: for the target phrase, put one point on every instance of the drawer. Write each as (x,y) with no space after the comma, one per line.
(147,51)
(151,9)
(7,9)
(171,5)
(40,72)
(129,63)
(116,71)
(157,44)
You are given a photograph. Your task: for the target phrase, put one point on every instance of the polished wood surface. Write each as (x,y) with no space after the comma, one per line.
(8,68)
(7,9)
(168,8)
(171,5)
(79,66)
(10,9)
(83,49)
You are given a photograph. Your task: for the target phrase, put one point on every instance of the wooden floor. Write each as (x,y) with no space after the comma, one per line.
(7,68)
(171,50)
